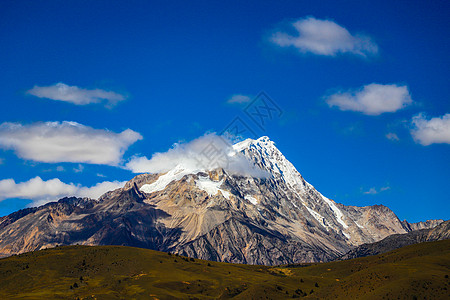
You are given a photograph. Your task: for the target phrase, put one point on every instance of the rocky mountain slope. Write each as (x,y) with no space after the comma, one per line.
(396,241)
(274,217)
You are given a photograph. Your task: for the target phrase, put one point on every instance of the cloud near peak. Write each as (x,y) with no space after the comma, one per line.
(54,142)
(372,99)
(323,37)
(374,191)
(76,95)
(207,152)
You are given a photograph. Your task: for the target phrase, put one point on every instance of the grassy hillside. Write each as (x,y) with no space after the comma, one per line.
(113,272)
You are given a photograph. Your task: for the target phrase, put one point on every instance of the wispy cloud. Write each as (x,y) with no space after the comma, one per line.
(78,169)
(41,191)
(239,99)
(204,153)
(324,37)
(55,142)
(431,131)
(392,136)
(76,95)
(372,99)
(374,191)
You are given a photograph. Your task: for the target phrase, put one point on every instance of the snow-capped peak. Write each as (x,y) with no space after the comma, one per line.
(250,158)
(266,155)
(266,140)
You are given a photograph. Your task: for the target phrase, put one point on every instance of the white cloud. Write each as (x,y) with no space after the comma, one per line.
(433,131)
(75,95)
(374,191)
(54,142)
(41,192)
(204,153)
(99,189)
(372,99)
(60,169)
(78,169)
(324,37)
(392,136)
(239,99)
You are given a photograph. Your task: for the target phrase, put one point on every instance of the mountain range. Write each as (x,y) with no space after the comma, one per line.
(270,217)
(396,241)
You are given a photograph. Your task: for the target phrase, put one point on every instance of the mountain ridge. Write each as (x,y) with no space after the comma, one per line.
(213,214)
(396,241)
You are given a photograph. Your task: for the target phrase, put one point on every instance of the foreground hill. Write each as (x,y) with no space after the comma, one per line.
(395,241)
(267,214)
(115,272)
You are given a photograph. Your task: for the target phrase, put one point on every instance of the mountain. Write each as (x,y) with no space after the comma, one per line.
(268,215)
(395,241)
(114,272)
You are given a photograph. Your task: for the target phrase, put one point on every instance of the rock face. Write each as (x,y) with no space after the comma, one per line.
(395,241)
(275,218)
(421,225)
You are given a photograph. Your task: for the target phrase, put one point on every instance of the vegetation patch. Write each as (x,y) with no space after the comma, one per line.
(114,272)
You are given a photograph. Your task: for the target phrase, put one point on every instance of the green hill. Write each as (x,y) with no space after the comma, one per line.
(113,272)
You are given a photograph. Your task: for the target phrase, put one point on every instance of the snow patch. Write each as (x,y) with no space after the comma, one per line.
(337,212)
(211,187)
(360,226)
(253,200)
(161,183)
(317,216)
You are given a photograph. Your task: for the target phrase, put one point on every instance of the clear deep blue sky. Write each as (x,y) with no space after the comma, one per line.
(180,61)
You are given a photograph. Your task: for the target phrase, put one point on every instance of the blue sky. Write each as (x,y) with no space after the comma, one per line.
(363,87)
